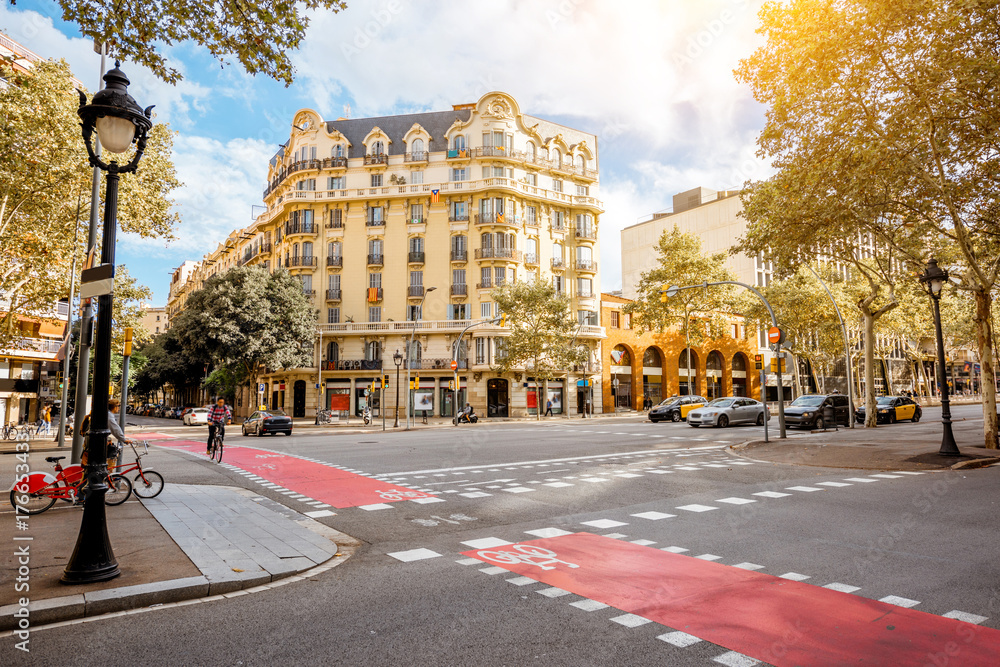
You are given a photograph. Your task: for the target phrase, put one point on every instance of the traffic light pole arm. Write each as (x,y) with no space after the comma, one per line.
(454,356)
(774,322)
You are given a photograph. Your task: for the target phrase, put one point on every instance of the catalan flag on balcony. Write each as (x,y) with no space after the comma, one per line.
(373,294)
(500,218)
(435,196)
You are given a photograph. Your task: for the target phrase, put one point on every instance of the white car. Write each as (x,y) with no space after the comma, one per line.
(196,416)
(725,411)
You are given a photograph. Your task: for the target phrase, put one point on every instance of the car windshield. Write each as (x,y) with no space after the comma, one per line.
(670,401)
(720,403)
(884,400)
(274,413)
(808,401)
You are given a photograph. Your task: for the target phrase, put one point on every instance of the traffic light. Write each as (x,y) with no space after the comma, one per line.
(503,319)
(758,361)
(663,293)
(128,342)
(385,380)
(774,365)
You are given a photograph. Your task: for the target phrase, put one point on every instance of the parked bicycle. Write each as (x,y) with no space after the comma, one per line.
(36,492)
(148,483)
(14,431)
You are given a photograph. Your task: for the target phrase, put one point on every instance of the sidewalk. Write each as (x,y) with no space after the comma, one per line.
(902,446)
(187,543)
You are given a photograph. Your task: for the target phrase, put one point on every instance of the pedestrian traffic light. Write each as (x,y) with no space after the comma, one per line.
(758,361)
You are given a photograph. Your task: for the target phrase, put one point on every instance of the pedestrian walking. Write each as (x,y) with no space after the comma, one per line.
(47,420)
(548,408)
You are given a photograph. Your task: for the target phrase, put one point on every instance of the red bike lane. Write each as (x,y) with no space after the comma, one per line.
(776,620)
(330,485)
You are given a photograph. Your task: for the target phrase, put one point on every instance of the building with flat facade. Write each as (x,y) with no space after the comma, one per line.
(402,225)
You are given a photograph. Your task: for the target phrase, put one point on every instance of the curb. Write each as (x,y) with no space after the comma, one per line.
(976,463)
(165,594)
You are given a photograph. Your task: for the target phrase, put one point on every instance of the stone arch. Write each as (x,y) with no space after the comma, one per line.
(715,366)
(740,375)
(688,385)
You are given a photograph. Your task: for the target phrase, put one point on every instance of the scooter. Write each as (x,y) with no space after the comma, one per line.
(465,418)
(367,415)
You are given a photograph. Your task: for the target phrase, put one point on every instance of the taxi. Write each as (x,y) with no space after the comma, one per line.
(891,409)
(676,408)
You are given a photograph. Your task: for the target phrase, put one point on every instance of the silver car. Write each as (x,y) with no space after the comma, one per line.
(725,411)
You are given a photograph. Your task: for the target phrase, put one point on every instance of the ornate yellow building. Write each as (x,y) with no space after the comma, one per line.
(404,224)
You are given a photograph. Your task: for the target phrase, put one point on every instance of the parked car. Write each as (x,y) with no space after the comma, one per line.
(810,411)
(267,421)
(891,409)
(725,411)
(196,416)
(675,408)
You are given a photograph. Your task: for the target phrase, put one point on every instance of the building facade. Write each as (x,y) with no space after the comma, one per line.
(401,226)
(636,366)
(29,368)
(155,320)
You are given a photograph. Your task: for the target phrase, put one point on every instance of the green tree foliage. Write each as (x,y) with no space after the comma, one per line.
(169,362)
(542,333)
(883,117)
(698,313)
(247,319)
(259,34)
(45,180)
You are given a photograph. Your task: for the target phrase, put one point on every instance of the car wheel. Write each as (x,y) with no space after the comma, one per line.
(244,431)
(916,416)
(760,419)
(892,417)
(693,425)
(653,420)
(288,433)
(819,424)
(723,421)
(675,416)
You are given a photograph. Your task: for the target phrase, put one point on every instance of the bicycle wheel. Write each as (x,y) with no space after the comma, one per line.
(119,489)
(30,503)
(217,449)
(147,484)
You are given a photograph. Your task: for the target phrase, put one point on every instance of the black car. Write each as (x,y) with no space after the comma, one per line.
(891,409)
(675,408)
(810,411)
(267,421)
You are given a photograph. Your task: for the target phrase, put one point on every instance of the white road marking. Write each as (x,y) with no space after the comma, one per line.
(749,566)
(319,513)
(794,576)
(604,523)
(654,516)
(493,570)
(487,543)
(860,479)
(771,494)
(734,659)
(548,532)
(588,605)
(521,581)
(899,602)
(843,588)
(833,484)
(735,501)
(414,554)
(552,592)
(679,639)
(806,489)
(709,557)
(965,616)
(630,620)
(697,508)
(377,506)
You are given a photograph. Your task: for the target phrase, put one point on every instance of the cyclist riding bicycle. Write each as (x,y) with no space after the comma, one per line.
(218,416)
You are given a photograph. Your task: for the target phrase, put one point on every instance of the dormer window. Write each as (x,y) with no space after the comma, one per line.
(377,148)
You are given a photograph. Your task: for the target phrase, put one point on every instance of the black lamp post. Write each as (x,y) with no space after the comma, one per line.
(397,358)
(934,279)
(119,123)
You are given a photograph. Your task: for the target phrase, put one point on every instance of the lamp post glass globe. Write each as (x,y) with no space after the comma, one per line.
(116,134)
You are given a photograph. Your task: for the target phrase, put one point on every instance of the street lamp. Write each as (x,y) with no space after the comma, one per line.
(397,358)
(934,279)
(409,352)
(119,123)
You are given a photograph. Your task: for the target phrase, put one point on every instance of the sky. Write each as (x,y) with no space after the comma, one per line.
(653,79)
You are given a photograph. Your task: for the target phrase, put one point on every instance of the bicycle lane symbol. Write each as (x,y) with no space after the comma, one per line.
(527,554)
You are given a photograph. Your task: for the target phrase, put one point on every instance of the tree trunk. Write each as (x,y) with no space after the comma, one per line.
(984,338)
(871,416)
(797,379)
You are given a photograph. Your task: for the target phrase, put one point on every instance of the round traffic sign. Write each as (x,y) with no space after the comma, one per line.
(454,365)
(775,335)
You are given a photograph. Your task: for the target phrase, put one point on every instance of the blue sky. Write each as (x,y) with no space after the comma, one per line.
(653,79)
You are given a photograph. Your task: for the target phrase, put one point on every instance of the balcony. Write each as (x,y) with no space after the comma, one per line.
(495,219)
(585,294)
(458,218)
(486,284)
(459,255)
(495,151)
(418,220)
(415,290)
(43,345)
(405,327)
(333,295)
(292,228)
(310,293)
(432,364)
(336,224)
(377,159)
(588,265)
(335,261)
(352,364)
(375,260)
(415,156)
(558,264)
(532,222)
(375,222)
(300,262)
(415,257)
(498,253)
(335,163)
(559,226)
(586,233)
(460,290)
(531,259)
(374,294)
(459,154)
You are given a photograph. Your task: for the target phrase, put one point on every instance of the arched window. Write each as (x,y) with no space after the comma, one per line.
(557,157)
(486,240)
(373,351)
(714,361)
(651,358)
(739,362)
(530,150)
(338,150)
(332,351)
(417,146)
(688,385)
(581,161)
(378,148)
(416,354)
(620,356)
(458,142)
(295,250)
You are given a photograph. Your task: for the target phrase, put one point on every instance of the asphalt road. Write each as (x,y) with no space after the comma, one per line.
(655,491)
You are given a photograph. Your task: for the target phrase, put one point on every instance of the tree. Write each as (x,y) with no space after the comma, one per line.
(890,110)
(45,182)
(247,319)
(680,262)
(168,363)
(259,34)
(542,333)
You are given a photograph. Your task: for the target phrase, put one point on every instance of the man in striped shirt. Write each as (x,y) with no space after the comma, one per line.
(218,416)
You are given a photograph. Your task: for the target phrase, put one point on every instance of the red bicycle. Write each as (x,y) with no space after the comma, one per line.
(35,492)
(148,483)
